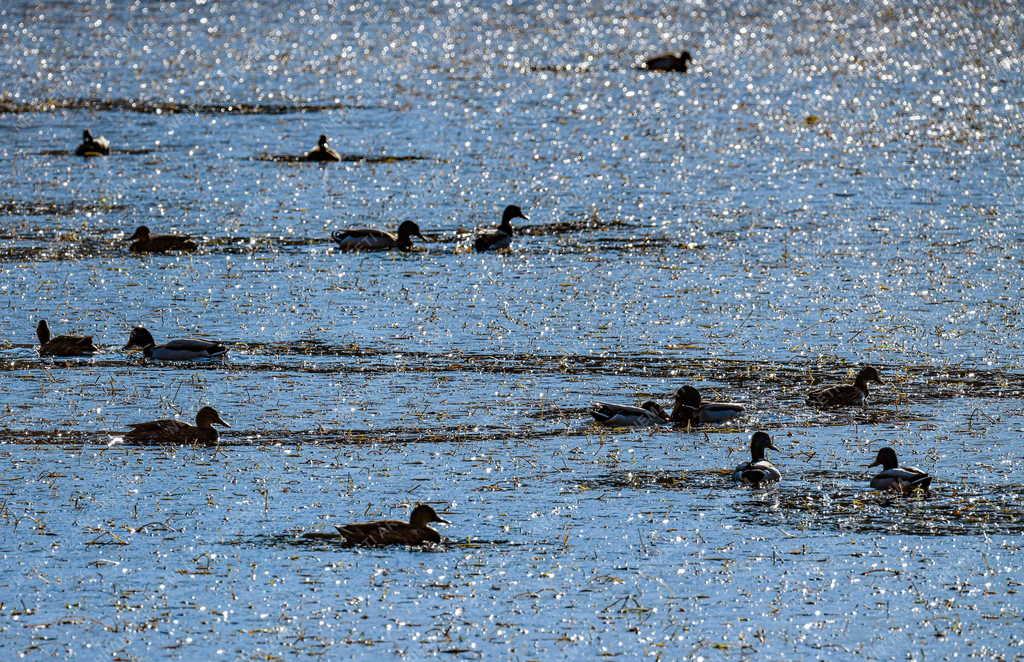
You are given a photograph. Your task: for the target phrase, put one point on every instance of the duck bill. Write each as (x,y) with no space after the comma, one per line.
(222,422)
(773,447)
(441,520)
(874,464)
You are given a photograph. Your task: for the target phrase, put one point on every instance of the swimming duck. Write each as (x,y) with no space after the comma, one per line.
(840,395)
(492,240)
(168,431)
(322,152)
(690,408)
(622,416)
(758,471)
(669,62)
(896,478)
(177,350)
(369,239)
(63,345)
(144,242)
(92,146)
(392,532)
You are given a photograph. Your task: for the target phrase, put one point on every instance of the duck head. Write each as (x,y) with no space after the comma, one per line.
(322,143)
(207,416)
(140,338)
(141,234)
(655,409)
(759,442)
(512,211)
(43,332)
(686,57)
(868,374)
(423,515)
(408,229)
(887,458)
(689,396)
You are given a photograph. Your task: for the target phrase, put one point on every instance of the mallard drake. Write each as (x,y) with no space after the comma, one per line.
(169,431)
(758,471)
(144,242)
(415,532)
(896,478)
(188,349)
(92,146)
(369,239)
(501,237)
(322,152)
(690,408)
(669,62)
(63,345)
(622,416)
(840,395)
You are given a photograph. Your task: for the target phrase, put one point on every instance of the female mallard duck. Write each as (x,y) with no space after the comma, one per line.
(144,242)
(758,471)
(322,152)
(623,416)
(840,395)
(669,62)
(169,431)
(92,146)
(63,345)
(392,532)
(177,350)
(369,239)
(896,478)
(492,240)
(690,408)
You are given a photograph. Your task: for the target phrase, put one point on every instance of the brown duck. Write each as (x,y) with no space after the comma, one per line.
(322,152)
(392,532)
(144,242)
(500,237)
(63,345)
(168,431)
(843,395)
(669,62)
(90,146)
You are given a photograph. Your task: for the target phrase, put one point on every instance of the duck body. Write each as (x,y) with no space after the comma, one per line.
(415,532)
(169,431)
(90,146)
(845,395)
(894,478)
(370,239)
(625,416)
(669,62)
(758,471)
(63,345)
(187,349)
(690,408)
(322,153)
(144,242)
(500,237)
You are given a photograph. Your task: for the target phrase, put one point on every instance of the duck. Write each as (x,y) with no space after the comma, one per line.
(370,239)
(169,431)
(322,152)
(841,395)
(63,345)
(176,350)
(624,416)
(92,146)
(415,532)
(144,242)
(669,62)
(690,408)
(759,471)
(896,478)
(501,237)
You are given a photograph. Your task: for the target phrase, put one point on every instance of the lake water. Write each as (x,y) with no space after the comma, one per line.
(829,186)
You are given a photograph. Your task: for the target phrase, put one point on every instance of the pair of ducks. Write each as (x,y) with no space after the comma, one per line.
(185,349)
(759,471)
(371,239)
(690,410)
